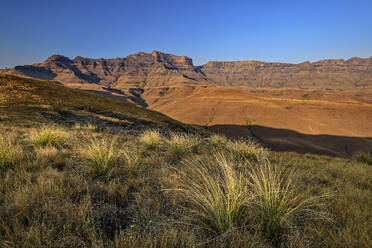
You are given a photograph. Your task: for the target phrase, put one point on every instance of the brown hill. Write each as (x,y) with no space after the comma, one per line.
(320,121)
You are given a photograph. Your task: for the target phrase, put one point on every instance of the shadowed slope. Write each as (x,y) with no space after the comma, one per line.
(289,140)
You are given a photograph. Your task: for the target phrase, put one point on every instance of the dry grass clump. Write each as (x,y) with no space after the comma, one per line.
(46,153)
(151,138)
(364,157)
(10,152)
(43,207)
(180,144)
(49,136)
(132,162)
(277,201)
(221,196)
(101,155)
(247,150)
(87,127)
(218,140)
(216,194)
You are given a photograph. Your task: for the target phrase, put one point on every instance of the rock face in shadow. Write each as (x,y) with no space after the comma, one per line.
(158,69)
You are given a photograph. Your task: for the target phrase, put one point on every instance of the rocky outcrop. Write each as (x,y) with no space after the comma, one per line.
(156,69)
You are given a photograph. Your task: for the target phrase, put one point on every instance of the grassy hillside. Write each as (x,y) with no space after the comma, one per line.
(26,101)
(72,175)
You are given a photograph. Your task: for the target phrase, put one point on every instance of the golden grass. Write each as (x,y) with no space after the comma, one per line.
(247,150)
(222,194)
(151,138)
(180,145)
(49,136)
(86,127)
(132,162)
(218,140)
(101,155)
(364,157)
(278,202)
(54,196)
(10,152)
(215,193)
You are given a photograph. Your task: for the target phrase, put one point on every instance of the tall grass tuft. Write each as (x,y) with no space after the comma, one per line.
(132,162)
(218,141)
(364,157)
(151,138)
(216,196)
(247,150)
(277,201)
(180,144)
(101,154)
(49,136)
(10,152)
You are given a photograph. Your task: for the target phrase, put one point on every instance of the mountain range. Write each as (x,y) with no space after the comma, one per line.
(158,69)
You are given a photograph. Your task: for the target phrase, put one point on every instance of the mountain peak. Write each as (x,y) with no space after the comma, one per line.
(58,58)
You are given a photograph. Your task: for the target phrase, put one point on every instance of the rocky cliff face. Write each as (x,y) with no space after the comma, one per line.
(323,74)
(137,70)
(156,69)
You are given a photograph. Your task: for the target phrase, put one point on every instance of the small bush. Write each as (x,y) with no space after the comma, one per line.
(101,154)
(364,157)
(151,138)
(49,136)
(10,152)
(247,150)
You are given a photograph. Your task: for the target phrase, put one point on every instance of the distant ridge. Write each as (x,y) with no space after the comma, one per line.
(157,69)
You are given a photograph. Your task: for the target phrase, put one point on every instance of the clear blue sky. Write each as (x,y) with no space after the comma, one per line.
(284,31)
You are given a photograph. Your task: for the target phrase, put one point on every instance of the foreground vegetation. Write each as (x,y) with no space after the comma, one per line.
(79,187)
(81,170)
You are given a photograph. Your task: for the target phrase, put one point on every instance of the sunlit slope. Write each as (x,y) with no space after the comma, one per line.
(27,101)
(309,114)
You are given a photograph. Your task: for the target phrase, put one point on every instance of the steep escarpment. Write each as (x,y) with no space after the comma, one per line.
(330,73)
(156,69)
(138,70)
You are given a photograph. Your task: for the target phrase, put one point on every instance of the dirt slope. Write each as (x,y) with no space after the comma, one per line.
(285,119)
